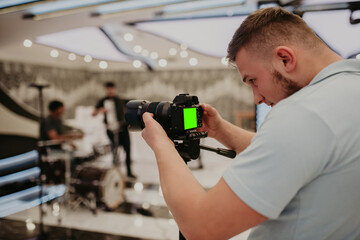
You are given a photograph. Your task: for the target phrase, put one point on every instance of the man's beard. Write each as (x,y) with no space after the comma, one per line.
(289,86)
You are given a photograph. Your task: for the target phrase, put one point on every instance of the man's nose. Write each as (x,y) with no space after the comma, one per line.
(258,98)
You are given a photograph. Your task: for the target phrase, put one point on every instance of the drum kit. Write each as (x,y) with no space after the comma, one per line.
(90,180)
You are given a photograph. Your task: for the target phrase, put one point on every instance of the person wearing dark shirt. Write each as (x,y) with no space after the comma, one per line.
(113,109)
(53,127)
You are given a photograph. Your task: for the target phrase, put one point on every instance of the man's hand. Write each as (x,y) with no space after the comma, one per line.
(211,120)
(154,135)
(99,110)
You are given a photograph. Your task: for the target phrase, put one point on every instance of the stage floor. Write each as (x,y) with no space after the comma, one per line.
(142,215)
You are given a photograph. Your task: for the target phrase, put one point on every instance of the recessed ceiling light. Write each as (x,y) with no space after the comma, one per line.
(145,52)
(193,61)
(87,58)
(54,53)
(184,54)
(137,48)
(162,62)
(172,51)
(103,65)
(72,57)
(137,63)
(27,43)
(154,55)
(128,37)
(184,46)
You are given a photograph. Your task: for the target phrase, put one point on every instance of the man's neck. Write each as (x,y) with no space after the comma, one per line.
(313,64)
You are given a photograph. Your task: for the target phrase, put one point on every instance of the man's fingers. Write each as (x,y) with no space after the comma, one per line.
(147,117)
(208,109)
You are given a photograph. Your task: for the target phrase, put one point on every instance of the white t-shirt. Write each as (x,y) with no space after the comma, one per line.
(302,169)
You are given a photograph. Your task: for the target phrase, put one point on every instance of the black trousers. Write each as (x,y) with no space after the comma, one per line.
(123,140)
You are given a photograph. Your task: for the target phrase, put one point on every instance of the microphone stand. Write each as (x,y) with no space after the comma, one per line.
(40,87)
(190,147)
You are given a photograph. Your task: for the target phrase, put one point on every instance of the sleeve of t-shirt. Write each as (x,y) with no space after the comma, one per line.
(50,124)
(290,149)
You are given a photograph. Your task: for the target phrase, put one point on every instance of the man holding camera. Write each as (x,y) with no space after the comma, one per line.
(298,176)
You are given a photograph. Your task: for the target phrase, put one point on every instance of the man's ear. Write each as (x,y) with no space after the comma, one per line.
(285,58)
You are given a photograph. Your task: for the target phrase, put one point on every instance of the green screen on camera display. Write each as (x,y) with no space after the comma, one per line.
(190,118)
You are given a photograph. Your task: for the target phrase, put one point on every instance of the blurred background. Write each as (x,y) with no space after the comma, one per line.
(152,50)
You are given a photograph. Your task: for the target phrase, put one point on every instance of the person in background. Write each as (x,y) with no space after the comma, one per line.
(298,176)
(53,127)
(113,108)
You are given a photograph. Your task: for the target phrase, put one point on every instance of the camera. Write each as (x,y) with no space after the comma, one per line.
(179,118)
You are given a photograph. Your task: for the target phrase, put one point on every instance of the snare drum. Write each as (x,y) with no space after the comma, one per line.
(106,183)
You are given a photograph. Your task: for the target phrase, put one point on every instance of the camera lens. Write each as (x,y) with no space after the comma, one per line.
(136,108)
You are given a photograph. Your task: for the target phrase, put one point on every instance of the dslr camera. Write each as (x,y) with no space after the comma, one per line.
(179,118)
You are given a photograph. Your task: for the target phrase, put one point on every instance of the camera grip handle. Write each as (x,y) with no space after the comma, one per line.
(221,151)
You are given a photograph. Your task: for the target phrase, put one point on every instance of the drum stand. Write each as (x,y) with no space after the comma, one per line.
(89,202)
(115,150)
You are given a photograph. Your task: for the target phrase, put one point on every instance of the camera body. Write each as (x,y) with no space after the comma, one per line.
(178,118)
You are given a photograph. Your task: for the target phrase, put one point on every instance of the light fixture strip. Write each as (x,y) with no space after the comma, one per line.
(200,5)
(132,5)
(64,5)
(13,3)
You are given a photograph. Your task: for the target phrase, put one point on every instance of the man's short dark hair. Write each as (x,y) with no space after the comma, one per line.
(267,28)
(109,84)
(55,105)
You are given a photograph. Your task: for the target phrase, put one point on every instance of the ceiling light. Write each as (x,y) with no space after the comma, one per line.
(225,61)
(172,51)
(184,46)
(193,61)
(87,58)
(137,63)
(197,32)
(137,48)
(145,52)
(72,57)
(184,54)
(27,43)
(30,226)
(128,37)
(162,62)
(103,65)
(154,55)
(54,53)
(84,41)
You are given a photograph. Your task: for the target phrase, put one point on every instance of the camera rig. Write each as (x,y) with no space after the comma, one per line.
(180,119)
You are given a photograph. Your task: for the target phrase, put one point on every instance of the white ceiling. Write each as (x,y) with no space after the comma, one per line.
(79,31)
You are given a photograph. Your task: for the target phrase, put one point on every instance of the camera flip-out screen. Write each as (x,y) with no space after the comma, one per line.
(190,118)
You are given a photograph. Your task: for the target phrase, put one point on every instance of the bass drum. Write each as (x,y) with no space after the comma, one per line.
(106,183)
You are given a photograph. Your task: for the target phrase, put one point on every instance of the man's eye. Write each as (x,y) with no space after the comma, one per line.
(251,81)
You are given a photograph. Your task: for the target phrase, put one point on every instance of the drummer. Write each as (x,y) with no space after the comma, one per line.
(52,129)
